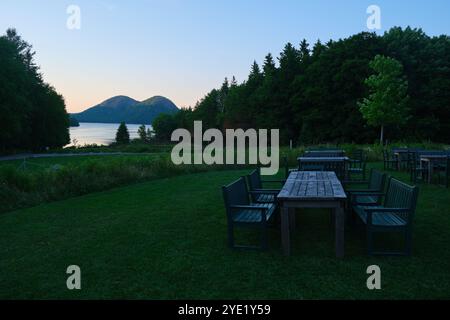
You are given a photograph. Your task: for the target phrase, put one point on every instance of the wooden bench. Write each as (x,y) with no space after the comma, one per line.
(395,215)
(257,193)
(243,213)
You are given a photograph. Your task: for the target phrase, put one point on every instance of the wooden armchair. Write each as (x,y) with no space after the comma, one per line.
(243,213)
(394,215)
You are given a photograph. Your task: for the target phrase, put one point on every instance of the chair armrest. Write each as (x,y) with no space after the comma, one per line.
(364,191)
(249,207)
(355,182)
(356,203)
(353,195)
(265,191)
(273,181)
(359,193)
(372,211)
(263,210)
(387,210)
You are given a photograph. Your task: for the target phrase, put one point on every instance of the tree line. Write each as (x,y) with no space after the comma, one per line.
(32,114)
(317,93)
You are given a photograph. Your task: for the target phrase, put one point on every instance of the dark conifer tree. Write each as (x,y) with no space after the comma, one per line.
(122,135)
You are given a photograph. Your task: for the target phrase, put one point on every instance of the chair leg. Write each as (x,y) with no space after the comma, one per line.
(408,242)
(351,216)
(230,236)
(264,237)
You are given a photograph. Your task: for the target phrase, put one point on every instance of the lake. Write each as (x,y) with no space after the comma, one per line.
(99,133)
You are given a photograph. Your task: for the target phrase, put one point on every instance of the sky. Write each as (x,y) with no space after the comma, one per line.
(182,49)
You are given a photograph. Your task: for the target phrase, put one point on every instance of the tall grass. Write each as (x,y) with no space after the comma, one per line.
(23,188)
(19,188)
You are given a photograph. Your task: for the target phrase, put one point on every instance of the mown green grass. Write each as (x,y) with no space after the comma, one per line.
(166,239)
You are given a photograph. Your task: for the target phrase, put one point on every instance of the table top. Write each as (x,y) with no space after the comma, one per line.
(325,151)
(323,159)
(402,151)
(433,156)
(312,186)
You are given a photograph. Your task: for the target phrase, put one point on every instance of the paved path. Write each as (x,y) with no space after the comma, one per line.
(56,155)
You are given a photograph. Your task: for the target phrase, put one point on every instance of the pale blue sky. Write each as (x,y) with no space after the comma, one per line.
(183,48)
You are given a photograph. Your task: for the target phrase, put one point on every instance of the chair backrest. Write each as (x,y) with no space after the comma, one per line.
(413,158)
(401,195)
(236,193)
(254,180)
(377,180)
(432,152)
(324,149)
(357,154)
(339,167)
(324,154)
(311,167)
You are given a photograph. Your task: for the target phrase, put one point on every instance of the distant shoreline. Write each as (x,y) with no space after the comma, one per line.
(98,133)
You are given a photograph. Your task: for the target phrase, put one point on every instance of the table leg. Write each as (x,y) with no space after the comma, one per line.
(430,171)
(340,225)
(285,232)
(292,224)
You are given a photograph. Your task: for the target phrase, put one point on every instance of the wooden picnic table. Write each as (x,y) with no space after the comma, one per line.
(312,189)
(399,156)
(429,160)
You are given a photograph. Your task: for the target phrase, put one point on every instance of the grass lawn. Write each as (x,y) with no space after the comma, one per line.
(37,164)
(166,239)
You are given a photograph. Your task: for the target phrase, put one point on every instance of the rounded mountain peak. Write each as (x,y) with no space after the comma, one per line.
(118,102)
(160,101)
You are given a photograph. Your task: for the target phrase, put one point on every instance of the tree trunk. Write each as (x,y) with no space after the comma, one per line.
(382,135)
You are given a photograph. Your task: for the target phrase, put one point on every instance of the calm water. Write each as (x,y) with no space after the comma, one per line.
(99,133)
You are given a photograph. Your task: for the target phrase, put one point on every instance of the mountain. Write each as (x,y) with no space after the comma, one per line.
(128,110)
(73,122)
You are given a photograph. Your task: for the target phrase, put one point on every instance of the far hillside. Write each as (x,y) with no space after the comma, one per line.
(125,109)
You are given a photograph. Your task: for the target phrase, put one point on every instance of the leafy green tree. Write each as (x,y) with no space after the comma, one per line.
(163,126)
(312,95)
(33,114)
(122,135)
(387,102)
(150,134)
(209,108)
(142,132)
